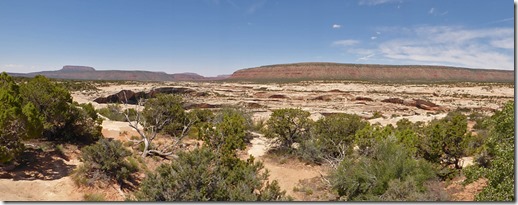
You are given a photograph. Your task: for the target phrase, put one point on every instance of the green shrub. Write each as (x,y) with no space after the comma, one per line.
(165,109)
(367,177)
(499,170)
(63,119)
(226,132)
(203,175)
(288,126)
(335,134)
(17,121)
(104,161)
(408,190)
(367,137)
(445,140)
(310,151)
(114,112)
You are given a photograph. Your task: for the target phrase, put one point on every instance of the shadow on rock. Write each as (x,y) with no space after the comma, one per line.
(36,164)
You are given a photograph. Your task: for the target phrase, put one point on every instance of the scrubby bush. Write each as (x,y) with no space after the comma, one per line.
(445,140)
(408,190)
(335,134)
(500,169)
(288,126)
(406,134)
(63,119)
(203,118)
(104,161)
(203,175)
(165,111)
(369,177)
(227,131)
(17,121)
(114,112)
(370,135)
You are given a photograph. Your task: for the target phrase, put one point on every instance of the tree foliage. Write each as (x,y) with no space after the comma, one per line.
(17,121)
(227,131)
(370,135)
(333,137)
(203,175)
(445,139)
(407,133)
(104,161)
(288,126)
(165,113)
(500,171)
(63,119)
(370,177)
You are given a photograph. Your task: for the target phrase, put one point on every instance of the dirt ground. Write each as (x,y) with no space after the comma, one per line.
(40,176)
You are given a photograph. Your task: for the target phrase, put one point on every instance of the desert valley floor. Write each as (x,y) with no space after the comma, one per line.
(376,102)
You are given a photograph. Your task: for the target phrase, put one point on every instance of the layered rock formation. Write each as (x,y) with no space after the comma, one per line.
(369,72)
(130,97)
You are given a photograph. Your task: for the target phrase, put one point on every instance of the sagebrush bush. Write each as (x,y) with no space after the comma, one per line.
(368,177)
(203,175)
(104,161)
(288,126)
(334,135)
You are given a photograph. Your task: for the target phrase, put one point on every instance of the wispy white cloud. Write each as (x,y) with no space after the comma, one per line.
(436,12)
(377,2)
(477,48)
(500,21)
(337,26)
(348,42)
(373,37)
(506,43)
(365,58)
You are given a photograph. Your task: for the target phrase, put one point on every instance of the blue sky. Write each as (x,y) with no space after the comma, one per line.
(212,37)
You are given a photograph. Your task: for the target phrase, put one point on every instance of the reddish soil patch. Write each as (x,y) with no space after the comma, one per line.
(458,192)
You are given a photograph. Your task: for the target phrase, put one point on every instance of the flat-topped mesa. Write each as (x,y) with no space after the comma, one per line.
(372,72)
(75,68)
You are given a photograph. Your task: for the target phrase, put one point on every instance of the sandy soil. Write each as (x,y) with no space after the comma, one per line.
(118,130)
(62,189)
(459,192)
(289,173)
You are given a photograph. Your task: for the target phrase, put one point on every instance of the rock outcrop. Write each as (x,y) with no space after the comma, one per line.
(419,103)
(370,72)
(130,97)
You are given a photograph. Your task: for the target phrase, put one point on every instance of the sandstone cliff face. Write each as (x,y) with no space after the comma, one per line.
(335,71)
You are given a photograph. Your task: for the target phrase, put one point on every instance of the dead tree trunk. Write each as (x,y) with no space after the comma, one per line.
(149,133)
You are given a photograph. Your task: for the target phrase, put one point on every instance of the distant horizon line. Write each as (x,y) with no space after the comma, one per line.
(271,65)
